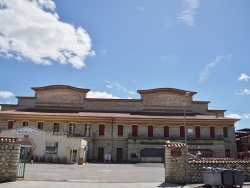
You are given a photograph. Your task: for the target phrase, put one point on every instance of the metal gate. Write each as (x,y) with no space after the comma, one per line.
(21,163)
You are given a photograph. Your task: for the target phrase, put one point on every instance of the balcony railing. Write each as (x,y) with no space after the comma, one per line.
(175,137)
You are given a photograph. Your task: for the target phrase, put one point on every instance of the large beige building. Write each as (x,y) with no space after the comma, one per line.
(60,121)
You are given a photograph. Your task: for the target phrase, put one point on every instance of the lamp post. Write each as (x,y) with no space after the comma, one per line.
(185,127)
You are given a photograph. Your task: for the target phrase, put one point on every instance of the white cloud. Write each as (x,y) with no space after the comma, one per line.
(210,67)
(235,116)
(103,51)
(31,30)
(99,94)
(246,116)
(244,77)
(118,87)
(131,92)
(244,92)
(6,94)
(188,14)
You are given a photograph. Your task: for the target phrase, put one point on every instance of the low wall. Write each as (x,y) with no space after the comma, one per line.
(9,155)
(175,165)
(194,168)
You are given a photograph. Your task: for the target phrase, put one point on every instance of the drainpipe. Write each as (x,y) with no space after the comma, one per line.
(112,136)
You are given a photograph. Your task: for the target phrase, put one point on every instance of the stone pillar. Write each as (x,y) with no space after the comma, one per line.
(175,162)
(9,156)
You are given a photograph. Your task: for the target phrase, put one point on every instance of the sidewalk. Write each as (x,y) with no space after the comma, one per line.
(81,184)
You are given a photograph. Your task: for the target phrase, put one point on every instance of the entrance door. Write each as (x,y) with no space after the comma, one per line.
(119,155)
(73,154)
(100,154)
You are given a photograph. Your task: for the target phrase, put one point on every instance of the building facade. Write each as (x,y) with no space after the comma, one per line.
(118,130)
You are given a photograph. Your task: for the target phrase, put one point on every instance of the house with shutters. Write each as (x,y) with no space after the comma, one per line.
(59,120)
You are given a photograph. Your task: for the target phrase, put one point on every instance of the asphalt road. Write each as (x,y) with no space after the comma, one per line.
(101,173)
(141,175)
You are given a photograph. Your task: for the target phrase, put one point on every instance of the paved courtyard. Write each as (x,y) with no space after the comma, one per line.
(101,173)
(141,175)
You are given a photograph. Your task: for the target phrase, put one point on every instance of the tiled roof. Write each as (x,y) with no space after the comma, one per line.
(52,112)
(9,140)
(174,145)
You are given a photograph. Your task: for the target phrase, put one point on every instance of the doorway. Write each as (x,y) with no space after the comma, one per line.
(100,154)
(119,155)
(73,155)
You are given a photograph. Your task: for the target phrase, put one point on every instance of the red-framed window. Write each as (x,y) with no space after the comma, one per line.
(134,130)
(150,130)
(166,131)
(120,130)
(101,129)
(197,131)
(212,131)
(10,124)
(182,131)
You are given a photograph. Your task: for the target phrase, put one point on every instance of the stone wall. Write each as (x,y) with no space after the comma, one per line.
(9,155)
(175,162)
(194,168)
(175,165)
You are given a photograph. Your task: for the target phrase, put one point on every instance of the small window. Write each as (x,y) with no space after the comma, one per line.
(56,127)
(182,131)
(101,129)
(10,124)
(197,131)
(51,147)
(120,130)
(134,130)
(225,131)
(212,132)
(71,129)
(166,131)
(150,130)
(25,124)
(40,125)
(87,130)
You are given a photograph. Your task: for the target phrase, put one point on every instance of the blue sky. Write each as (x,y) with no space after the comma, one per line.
(116,47)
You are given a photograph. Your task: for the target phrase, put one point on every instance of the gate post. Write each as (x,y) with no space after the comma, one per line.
(174,162)
(9,154)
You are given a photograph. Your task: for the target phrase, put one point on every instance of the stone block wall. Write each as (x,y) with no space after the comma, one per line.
(175,165)
(9,155)
(195,174)
(175,162)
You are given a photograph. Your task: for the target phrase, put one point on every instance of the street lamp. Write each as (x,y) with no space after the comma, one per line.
(187,94)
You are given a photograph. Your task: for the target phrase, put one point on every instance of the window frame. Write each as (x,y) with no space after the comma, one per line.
(39,125)
(56,127)
(166,131)
(212,131)
(120,130)
(150,131)
(134,130)
(101,129)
